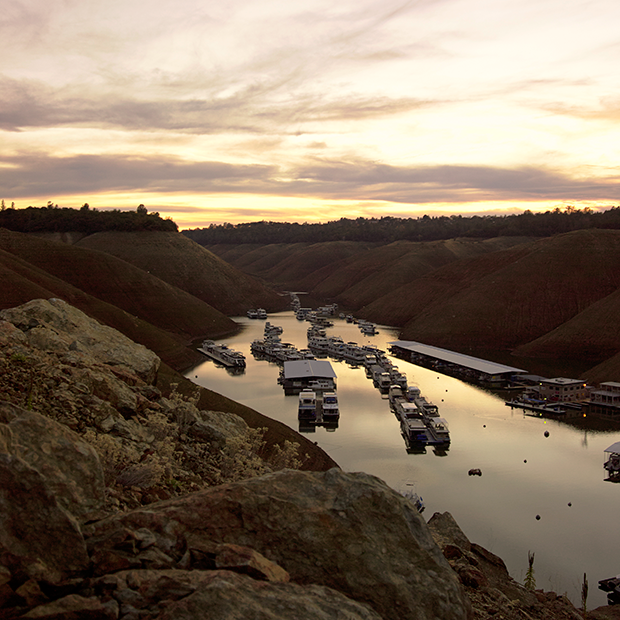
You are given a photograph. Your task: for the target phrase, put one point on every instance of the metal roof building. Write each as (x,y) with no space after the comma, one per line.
(489,370)
(308,369)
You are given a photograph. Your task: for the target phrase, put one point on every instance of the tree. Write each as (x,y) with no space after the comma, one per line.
(142,210)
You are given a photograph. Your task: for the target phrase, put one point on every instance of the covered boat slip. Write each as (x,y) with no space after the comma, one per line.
(452,363)
(298,375)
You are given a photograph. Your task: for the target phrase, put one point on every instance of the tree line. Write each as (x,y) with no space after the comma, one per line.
(53,218)
(426,228)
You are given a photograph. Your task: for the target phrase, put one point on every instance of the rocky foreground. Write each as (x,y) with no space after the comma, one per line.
(117,502)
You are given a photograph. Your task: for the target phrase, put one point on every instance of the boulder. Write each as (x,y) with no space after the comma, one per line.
(59,326)
(69,465)
(346,531)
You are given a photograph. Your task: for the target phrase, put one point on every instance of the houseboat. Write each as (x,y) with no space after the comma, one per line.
(329,406)
(307,405)
(221,353)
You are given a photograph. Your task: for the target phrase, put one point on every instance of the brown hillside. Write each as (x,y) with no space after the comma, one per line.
(383,270)
(609,370)
(22,282)
(181,262)
(351,273)
(121,284)
(291,266)
(593,334)
(436,286)
(525,297)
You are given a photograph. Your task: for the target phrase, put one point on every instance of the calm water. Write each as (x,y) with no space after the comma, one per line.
(497,510)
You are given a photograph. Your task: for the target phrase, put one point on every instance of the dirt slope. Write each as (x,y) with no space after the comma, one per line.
(520,299)
(593,334)
(148,310)
(177,260)
(23,282)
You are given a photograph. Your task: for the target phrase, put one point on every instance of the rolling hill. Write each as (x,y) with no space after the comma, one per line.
(180,262)
(160,315)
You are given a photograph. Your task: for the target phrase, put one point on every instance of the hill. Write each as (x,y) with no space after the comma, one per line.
(160,315)
(180,262)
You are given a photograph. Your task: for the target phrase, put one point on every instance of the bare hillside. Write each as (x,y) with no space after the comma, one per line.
(23,282)
(177,260)
(593,334)
(513,302)
(145,308)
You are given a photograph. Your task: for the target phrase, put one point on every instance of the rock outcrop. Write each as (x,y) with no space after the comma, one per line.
(348,532)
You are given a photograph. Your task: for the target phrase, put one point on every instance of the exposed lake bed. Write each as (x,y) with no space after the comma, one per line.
(525,474)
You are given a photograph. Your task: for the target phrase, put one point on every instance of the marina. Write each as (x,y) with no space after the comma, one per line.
(524,472)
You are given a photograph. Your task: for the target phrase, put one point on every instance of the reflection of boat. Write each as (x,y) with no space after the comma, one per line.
(221,353)
(612,462)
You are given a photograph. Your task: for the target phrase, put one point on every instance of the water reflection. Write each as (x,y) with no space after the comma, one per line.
(524,473)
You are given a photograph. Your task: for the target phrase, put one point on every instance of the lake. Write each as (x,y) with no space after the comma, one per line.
(524,473)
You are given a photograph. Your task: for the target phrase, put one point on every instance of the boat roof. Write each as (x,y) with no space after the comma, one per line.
(475,363)
(308,369)
(615,447)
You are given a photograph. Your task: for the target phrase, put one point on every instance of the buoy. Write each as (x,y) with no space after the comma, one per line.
(570,503)
(537,517)
(546,433)
(484,426)
(525,460)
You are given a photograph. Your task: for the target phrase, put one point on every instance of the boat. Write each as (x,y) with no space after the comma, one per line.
(329,406)
(611,585)
(380,377)
(221,353)
(261,313)
(307,405)
(272,330)
(437,430)
(395,395)
(252,313)
(412,426)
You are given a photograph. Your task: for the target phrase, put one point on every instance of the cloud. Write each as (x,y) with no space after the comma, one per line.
(39,175)
(29,104)
(359,180)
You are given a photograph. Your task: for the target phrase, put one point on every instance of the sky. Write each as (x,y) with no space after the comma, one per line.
(248,110)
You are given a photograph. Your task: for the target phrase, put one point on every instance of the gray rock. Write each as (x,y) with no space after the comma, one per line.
(60,325)
(38,539)
(69,465)
(187,595)
(349,532)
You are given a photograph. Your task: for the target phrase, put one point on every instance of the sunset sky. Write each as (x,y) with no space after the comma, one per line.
(311,110)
